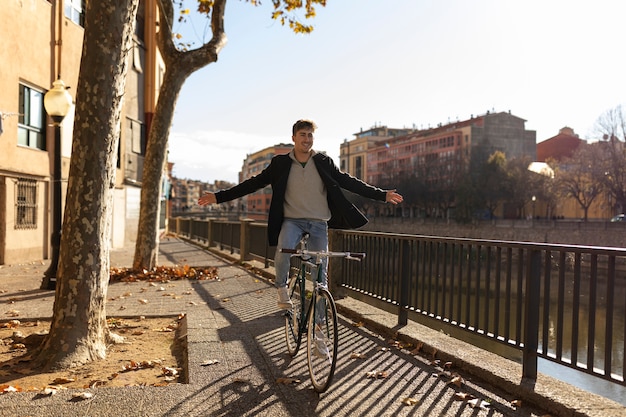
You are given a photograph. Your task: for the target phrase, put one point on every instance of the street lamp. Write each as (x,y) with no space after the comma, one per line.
(57,102)
(534,200)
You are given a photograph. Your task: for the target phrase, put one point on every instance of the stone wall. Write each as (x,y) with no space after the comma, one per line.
(593,233)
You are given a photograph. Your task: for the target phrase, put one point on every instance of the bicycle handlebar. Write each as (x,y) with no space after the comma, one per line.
(353,256)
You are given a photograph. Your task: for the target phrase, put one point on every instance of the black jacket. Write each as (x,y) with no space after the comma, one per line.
(344,215)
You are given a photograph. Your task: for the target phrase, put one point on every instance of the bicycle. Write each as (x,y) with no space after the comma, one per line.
(314,312)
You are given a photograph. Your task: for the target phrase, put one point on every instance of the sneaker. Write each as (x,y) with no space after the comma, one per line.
(284,301)
(320,349)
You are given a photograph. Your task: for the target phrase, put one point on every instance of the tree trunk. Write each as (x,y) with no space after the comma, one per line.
(78,333)
(146,247)
(179,65)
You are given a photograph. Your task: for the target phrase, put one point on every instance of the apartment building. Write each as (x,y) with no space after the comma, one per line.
(353,154)
(447,146)
(42,43)
(257,204)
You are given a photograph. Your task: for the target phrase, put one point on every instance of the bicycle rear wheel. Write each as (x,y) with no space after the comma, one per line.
(322,340)
(293,317)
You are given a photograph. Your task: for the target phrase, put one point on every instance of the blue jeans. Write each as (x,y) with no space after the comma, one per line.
(290,234)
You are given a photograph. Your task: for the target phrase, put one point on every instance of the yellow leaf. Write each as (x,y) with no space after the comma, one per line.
(516,403)
(410,401)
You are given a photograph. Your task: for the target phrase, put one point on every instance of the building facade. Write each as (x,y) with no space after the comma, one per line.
(445,149)
(257,204)
(353,154)
(42,43)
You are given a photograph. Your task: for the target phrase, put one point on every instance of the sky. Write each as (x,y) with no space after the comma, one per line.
(395,63)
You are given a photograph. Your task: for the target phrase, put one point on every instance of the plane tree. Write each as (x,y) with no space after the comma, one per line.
(580,177)
(181,61)
(78,332)
(611,126)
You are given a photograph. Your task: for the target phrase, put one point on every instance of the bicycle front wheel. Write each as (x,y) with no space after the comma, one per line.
(322,340)
(293,317)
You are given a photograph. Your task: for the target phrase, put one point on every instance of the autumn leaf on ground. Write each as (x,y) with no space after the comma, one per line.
(210,362)
(463,396)
(410,401)
(10,388)
(478,403)
(447,365)
(417,348)
(168,371)
(225,300)
(516,403)
(50,391)
(82,396)
(457,380)
(11,324)
(356,355)
(358,324)
(61,381)
(287,381)
(376,374)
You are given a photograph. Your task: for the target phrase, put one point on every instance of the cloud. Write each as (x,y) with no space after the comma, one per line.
(213,155)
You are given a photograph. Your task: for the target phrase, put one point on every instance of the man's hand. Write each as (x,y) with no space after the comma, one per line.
(393,197)
(207,198)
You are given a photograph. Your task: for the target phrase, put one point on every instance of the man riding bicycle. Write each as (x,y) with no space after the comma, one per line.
(306,198)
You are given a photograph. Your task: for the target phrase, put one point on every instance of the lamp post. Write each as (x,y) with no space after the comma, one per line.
(534,200)
(57,102)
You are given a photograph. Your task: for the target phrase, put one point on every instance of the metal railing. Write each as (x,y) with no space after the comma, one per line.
(563,303)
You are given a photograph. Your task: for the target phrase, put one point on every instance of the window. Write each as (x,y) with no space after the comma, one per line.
(75,11)
(137,134)
(30,130)
(25,204)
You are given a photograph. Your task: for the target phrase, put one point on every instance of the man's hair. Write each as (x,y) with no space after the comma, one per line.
(303,124)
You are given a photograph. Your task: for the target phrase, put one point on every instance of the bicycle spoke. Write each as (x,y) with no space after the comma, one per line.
(292,317)
(322,341)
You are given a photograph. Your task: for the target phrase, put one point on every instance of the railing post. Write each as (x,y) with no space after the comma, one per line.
(244,240)
(531,319)
(405,269)
(335,266)
(209,238)
(178,220)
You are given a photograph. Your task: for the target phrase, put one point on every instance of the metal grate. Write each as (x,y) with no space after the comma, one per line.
(25,204)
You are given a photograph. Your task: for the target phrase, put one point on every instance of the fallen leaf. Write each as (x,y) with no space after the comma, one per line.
(359,324)
(478,403)
(356,355)
(463,396)
(50,391)
(82,396)
(168,371)
(447,365)
(418,348)
(62,380)
(516,403)
(143,301)
(287,381)
(210,362)
(457,380)
(10,388)
(376,374)
(410,401)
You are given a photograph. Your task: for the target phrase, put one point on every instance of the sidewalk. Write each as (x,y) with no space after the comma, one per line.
(235,321)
